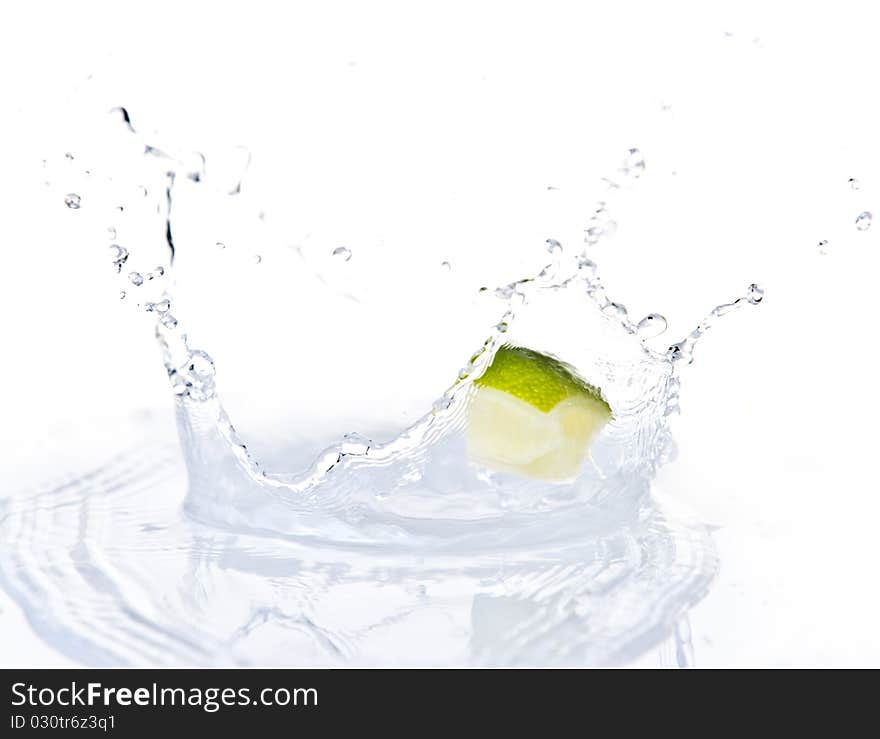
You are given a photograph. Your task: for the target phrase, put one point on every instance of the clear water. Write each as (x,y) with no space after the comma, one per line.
(374,546)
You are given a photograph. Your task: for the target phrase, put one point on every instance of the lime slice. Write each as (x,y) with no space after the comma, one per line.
(533,415)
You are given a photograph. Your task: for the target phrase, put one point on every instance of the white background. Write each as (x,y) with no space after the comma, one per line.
(439,125)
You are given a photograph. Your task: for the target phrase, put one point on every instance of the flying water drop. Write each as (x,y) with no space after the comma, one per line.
(342,252)
(634,164)
(118,255)
(122,113)
(136,279)
(584,264)
(651,325)
(163,306)
(72,201)
(863,221)
(593,234)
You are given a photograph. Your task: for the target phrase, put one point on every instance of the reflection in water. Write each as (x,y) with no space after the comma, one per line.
(110,571)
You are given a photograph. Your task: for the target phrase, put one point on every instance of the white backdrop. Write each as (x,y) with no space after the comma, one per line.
(752,118)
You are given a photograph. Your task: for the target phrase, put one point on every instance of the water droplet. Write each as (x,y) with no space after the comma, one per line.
(220,245)
(194,164)
(501,327)
(445,266)
(163,306)
(553,246)
(615,309)
(587,265)
(342,252)
(442,404)
(111,233)
(118,255)
(257,259)
(169,321)
(136,279)
(651,325)
(160,270)
(201,365)
(755,294)
(121,294)
(68,156)
(72,201)
(854,183)
(142,191)
(683,351)
(124,116)
(593,234)
(634,164)
(863,221)
(823,246)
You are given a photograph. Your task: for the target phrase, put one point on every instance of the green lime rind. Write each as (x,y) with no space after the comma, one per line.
(538,379)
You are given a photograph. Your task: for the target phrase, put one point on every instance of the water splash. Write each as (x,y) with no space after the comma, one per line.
(497,569)
(683,351)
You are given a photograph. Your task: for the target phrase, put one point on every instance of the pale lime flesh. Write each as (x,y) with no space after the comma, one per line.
(533,415)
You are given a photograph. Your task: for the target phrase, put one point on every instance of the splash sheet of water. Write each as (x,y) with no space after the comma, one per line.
(379,548)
